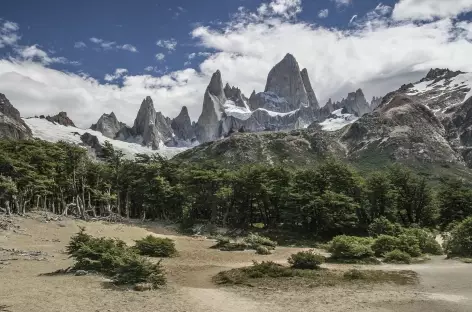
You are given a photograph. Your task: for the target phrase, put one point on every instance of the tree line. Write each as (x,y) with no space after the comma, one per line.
(329,199)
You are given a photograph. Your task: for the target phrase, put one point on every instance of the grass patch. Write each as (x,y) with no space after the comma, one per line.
(275,274)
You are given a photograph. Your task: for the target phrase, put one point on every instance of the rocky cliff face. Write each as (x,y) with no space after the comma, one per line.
(11,124)
(183,129)
(208,125)
(375,102)
(309,89)
(61,119)
(108,125)
(355,103)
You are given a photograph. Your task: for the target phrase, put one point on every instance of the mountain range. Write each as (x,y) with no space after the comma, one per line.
(422,123)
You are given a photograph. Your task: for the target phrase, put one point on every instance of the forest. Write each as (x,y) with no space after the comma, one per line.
(324,201)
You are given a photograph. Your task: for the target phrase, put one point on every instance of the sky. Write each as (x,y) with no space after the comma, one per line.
(92,57)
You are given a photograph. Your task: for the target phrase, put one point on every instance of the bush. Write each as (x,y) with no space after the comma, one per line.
(306,260)
(384,244)
(351,247)
(114,259)
(459,242)
(254,240)
(382,226)
(262,250)
(397,256)
(427,241)
(156,247)
(409,244)
(237,246)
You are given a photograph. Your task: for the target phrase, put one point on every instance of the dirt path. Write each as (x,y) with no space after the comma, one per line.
(445,285)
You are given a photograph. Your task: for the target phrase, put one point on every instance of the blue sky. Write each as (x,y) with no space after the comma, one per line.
(90,57)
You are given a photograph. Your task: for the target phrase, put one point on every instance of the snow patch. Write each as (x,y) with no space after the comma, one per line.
(231,109)
(48,131)
(338,120)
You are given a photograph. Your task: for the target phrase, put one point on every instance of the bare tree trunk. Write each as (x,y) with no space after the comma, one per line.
(7,204)
(127,204)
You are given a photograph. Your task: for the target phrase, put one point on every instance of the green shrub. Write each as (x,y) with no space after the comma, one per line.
(156,247)
(114,259)
(397,256)
(384,244)
(262,250)
(427,241)
(459,242)
(237,246)
(409,244)
(254,240)
(306,260)
(351,247)
(382,226)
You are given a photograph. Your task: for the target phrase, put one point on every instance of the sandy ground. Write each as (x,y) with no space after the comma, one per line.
(445,285)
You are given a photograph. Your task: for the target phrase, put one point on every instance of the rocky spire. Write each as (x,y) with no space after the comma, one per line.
(151,126)
(208,128)
(108,125)
(234,94)
(61,119)
(375,102)
(11,124)
(310,92)
(182,126)
(285,81)
(355,103)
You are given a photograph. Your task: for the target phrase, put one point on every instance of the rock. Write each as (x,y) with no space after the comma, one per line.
(11,124)
(208,125)
(92,141)
(285,81)
(150,126)
(309,89)
(61,119)
(355,103)
(108,125)
(182,126)
(80,273)
(234,94)
(375,102)
(143,287)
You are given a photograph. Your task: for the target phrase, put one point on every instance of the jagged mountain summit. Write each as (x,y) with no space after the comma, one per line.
(61,119)
(108,125)
(11,124)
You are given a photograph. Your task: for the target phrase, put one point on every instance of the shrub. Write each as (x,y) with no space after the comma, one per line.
(262,250)
(221,241)
(384,244)
(382,226)
(459,242)
(409,244)
(114,259)
(237,246)
(427,241)
(254,240)
(156,247)
(351,247)
(306,260)
(397,256)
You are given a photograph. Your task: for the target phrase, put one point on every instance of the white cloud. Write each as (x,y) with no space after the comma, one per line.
(119,72)
(428,10)
(128,47)
(80,45)
(377,55)
(352,19)
(149,68)
(160,56)
(191,56)
(323,13)
(167,44)
(342,2)
(33,53)
(112,45)
(8,33)
(284,8)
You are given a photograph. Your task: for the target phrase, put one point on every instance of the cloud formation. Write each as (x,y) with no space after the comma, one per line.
(170,44)
(428,10)
(119,72)
(323,13)
(376,53)
(112,45)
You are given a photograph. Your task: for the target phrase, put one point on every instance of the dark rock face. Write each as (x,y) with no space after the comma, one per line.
(208,126)
(151,128)
(61,119)
(92,141)
(182,127)
(234,94)
(309,89)
(375,102)
(11,124)
(285,81)
(355,103)
(108,125)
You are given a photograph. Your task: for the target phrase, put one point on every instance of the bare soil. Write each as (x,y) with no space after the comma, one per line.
(33,245)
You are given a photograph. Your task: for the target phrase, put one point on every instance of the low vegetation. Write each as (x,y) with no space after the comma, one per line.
(306,260)
(459,242)
(397,256)
(156,247)
(112,258)
(261,244)
(269,272)
(352,249)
